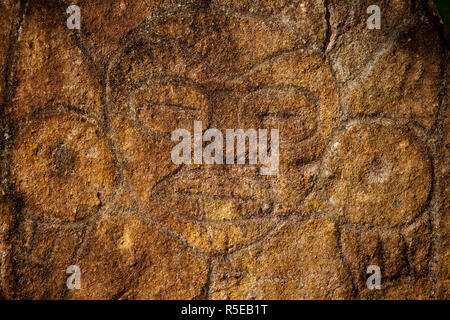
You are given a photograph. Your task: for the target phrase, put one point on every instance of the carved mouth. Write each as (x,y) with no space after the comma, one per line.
(214,194)
(215,208)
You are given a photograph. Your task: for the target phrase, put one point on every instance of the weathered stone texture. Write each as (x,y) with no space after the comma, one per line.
(444,185)
(50,68)
(302,261)
(87,177)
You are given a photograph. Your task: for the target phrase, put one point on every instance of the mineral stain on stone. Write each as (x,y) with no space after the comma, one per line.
(86,175)
(64,159)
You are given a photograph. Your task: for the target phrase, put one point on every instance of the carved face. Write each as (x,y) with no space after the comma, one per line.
(89,178)
(229,72)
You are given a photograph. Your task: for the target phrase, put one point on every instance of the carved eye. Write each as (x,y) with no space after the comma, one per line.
(162,107)
(291,110)
(63,166)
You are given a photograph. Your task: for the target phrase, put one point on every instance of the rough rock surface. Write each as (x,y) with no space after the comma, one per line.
(86,176)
